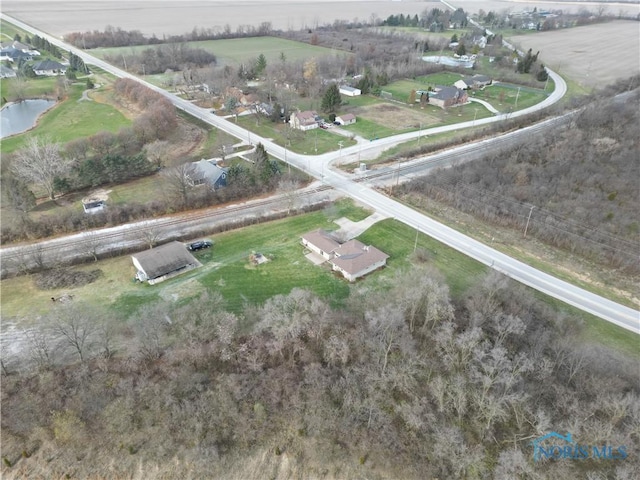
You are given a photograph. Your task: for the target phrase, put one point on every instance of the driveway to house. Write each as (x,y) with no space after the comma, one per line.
(486,104)
(318,167)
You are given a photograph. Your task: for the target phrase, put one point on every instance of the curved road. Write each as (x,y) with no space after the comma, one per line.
(319,167)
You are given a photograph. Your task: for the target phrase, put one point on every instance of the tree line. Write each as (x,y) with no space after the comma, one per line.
(117,37)
(160,58)
(576,187)
(408,384)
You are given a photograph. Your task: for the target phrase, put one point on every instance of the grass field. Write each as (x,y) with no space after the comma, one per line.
(226,268)
(242,50)
(312,142)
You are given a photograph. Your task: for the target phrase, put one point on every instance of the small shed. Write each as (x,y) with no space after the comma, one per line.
(350,91)
(161,263)
(95,202)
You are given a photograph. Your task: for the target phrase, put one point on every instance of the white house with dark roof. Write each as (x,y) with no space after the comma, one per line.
(163,262)
(352,259)
(49,68)
(13,55)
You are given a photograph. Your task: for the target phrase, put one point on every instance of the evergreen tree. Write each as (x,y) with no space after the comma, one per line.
(261,64)
(331,99)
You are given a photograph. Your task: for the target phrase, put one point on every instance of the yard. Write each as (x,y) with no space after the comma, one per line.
(311,142)
(227,269)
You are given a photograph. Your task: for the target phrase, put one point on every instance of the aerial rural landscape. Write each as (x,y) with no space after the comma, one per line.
(343,240)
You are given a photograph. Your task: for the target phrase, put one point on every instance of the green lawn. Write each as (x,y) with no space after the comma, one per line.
(503,96)
(8,31)
(311,142)
(372,130)
(441,78)
(399,241)
(238,50)
(71,119)
(32,88)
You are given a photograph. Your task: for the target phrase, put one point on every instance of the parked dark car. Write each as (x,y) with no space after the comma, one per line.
(195,246)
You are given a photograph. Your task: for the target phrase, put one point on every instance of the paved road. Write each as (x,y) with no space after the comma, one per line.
(319,167)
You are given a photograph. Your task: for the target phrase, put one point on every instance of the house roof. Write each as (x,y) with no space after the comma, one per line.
(48,65)
(209,170)
(13,53)
(347,116)
(307,117)
(476,78)
(354,256)
(321,239)
(6,71)
(347,88)
(165,259)
(445,93)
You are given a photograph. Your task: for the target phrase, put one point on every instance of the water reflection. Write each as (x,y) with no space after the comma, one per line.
(20,117)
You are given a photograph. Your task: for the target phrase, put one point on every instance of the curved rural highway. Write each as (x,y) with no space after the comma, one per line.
(319,167)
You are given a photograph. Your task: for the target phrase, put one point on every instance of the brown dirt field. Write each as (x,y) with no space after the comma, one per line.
(163,17)
(611,8)
(593,55)
(395,117)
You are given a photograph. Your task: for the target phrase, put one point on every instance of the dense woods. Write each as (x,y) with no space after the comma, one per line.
(403,385)
(579,183)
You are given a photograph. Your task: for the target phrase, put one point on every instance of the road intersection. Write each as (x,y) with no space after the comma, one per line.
(319,166)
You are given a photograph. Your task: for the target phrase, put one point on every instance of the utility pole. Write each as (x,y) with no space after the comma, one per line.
(526,227)
(285,158)
(420,133)
(475,114)
(340,156)
(517,95)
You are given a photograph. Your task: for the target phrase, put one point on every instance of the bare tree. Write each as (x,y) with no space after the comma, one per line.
(76,327)
(289,189)
(40,348)
(150,233)
(40,162)
(157,152)
(179,181)
(90,244)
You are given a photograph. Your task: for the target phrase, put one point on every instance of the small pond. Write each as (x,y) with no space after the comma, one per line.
(20,117)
